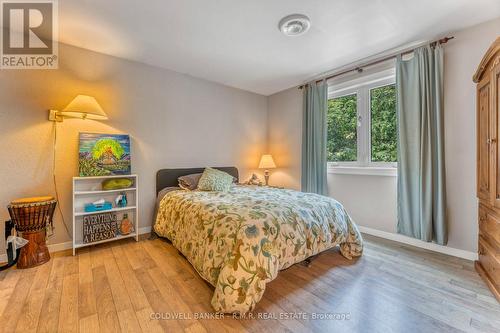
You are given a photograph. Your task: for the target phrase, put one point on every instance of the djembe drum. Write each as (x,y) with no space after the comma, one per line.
(31,217)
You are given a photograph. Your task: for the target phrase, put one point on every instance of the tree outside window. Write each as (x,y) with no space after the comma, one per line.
(362,124)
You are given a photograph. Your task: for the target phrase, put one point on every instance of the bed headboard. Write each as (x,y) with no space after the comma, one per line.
(168,177)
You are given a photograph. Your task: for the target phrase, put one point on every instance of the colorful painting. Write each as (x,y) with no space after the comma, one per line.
(104,154)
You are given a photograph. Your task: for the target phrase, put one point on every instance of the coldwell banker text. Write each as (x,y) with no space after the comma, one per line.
(29,36)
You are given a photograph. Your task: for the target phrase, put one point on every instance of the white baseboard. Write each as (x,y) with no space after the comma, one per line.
(382,234)
(421,244)
(68,245)
(60,246)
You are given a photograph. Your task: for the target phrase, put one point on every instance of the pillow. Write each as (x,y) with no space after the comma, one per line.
(215,180)
(189,182)
(116,183)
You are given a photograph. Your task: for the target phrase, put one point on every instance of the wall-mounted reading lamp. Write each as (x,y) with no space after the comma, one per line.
(82,107)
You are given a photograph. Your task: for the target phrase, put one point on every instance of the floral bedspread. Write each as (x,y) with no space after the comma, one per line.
(239,240)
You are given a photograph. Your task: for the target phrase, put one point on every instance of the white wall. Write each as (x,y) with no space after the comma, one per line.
(371,200)
(179,121)
(285,137)
(359,194)
(174,121)
(462,56)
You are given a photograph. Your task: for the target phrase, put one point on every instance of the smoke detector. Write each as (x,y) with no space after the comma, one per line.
(294,25)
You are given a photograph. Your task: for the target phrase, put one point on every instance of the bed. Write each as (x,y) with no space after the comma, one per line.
(238,240)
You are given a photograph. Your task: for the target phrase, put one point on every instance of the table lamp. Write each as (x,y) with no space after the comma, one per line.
(266,162)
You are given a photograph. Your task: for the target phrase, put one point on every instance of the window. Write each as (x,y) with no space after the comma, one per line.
(342,133)
(383,130)
(362,122)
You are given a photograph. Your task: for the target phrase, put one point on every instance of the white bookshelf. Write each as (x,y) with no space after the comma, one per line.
(89,189)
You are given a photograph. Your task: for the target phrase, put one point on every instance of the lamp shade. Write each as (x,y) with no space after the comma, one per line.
(267,162)
(85,107)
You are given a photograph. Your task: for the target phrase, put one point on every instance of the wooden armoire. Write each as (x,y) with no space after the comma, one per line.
(487,78)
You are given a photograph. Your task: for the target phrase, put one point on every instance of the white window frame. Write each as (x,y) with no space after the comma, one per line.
(362,87)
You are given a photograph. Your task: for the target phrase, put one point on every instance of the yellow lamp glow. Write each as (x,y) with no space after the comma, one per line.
(83,107)
(266,162)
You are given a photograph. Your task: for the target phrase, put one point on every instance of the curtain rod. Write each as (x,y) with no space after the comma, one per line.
(359,68)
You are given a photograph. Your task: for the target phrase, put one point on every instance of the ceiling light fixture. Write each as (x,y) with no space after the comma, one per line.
(294,25)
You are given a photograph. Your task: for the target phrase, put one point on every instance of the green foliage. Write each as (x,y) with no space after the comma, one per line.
(383,124)
(90,167)
(107,145)
(342,126)
(342,134)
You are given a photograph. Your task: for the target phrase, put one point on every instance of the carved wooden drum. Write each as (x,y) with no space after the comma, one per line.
(31,217)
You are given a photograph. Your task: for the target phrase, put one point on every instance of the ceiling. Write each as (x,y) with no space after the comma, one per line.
(237,42)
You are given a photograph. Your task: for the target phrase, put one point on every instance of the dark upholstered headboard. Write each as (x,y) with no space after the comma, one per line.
(168,177)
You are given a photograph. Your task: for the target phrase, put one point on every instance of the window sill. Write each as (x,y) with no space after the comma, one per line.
(365,171)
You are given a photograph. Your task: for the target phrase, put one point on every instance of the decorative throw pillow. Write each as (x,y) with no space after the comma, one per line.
(215,180)
(189,182)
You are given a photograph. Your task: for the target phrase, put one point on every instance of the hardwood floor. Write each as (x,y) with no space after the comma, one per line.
(120,286)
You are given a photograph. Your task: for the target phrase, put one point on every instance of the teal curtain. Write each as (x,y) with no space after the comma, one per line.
(421,169)
(314,138)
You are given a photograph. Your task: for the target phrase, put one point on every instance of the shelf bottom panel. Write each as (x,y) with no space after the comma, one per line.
(79,245)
